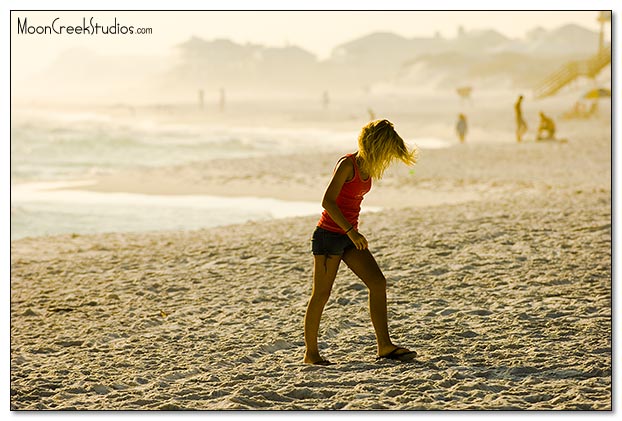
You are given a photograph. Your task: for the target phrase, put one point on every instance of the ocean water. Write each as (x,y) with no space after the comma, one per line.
(54,153)
(61,207)
(54,145)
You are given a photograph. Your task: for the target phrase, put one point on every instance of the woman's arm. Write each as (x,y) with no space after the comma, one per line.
(344,172)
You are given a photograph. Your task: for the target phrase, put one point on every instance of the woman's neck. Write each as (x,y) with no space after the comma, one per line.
(360,164)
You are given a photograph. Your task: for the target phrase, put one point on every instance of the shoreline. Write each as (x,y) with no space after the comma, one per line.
(107,196)
(442,177)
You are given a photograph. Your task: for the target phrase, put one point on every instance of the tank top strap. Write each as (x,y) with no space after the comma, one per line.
(353,159)
(343,158)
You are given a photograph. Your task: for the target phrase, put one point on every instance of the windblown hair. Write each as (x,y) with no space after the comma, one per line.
(379,146)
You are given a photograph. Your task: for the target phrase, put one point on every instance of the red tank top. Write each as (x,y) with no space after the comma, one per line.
(349,200)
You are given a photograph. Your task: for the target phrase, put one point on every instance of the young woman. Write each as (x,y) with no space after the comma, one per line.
(337,238)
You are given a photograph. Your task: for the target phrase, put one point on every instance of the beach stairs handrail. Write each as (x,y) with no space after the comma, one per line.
(557,80)
(572,70)
(598,62)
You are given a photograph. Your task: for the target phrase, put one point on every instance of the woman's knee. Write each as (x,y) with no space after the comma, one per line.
(321,295)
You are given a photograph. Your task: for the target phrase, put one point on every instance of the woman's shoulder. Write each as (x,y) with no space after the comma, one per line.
(348,159)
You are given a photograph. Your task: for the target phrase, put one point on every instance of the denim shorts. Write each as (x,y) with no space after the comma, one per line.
(326,242)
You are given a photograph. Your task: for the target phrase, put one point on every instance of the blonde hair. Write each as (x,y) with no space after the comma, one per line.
(379,146)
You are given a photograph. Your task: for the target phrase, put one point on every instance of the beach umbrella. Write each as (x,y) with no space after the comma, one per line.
(598,93)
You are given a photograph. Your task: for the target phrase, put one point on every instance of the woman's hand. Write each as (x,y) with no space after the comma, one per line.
(357,238)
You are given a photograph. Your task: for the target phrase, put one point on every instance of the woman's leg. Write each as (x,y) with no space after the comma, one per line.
(363,264)
(324,272)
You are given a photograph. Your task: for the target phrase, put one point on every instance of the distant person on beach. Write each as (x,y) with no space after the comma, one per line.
(521,125)
(546,130)
(461,127)
(223,100)
(325,100)
(337,238)
(201,99)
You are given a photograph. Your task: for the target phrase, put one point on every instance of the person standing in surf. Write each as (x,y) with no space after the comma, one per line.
(337,238)
(521,125)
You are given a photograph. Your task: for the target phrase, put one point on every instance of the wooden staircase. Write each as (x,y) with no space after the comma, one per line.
(572,70)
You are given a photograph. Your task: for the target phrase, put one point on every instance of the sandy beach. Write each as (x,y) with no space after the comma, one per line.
(497,256)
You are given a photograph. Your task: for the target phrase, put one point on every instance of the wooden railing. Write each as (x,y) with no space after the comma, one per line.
(572,70)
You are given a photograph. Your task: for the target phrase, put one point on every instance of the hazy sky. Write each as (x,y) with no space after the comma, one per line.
(317,32)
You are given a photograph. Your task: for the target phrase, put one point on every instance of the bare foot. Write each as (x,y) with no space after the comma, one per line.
(315,360)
